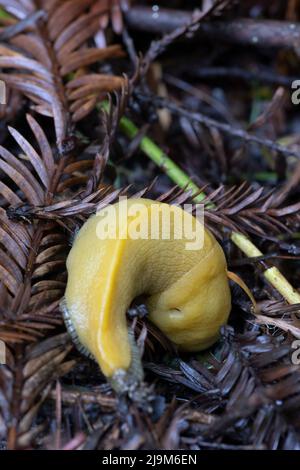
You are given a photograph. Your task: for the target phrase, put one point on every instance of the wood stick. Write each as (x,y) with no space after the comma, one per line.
(243,31)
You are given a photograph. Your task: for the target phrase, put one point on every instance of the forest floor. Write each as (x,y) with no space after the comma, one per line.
(203,107)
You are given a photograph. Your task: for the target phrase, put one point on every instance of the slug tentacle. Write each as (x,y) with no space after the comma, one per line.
(188,291)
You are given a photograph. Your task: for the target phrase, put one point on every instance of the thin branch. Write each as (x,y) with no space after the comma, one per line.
(242,31)
(229,73)
(223,127)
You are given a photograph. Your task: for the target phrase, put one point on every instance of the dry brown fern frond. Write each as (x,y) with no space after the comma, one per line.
(250,386)
(33,252)
(22,394)
(51,61)
(254,211)
(28,251)
(239,208)
(242,208)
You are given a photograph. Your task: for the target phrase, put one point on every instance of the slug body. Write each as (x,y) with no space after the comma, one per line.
(188,291)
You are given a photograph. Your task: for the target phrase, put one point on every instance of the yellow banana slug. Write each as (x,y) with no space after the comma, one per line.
(186,283)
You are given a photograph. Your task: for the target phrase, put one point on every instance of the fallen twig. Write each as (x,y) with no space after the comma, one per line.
(229,73)
(223,127)
(242,31)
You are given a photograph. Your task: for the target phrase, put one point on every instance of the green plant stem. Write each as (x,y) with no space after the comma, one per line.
(4,14)
(272,275)
(162,160)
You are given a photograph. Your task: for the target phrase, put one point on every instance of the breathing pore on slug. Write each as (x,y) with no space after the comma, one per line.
(188,290)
